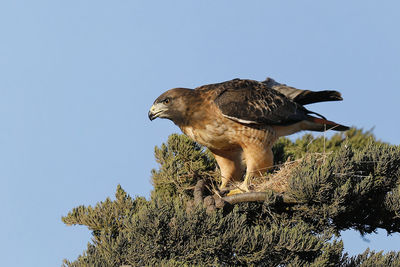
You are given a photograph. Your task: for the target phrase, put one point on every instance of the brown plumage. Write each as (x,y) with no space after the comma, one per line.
(239,120)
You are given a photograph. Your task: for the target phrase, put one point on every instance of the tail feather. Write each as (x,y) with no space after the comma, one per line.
(308,97)
(321,125)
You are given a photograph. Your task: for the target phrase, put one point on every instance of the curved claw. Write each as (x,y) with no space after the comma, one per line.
(243,188)
(235,191)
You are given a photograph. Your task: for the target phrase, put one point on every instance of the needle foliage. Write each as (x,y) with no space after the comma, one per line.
(356,185)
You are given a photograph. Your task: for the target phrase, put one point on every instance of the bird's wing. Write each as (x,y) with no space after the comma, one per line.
(252,102)
(303,97)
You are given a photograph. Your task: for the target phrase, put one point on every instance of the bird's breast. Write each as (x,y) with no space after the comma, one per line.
(208,127)
(213,134)
(226,134)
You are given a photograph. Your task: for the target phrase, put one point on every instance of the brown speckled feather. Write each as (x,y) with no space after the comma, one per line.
(252,102)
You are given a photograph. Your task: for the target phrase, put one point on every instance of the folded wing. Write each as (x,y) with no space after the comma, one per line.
(252,102)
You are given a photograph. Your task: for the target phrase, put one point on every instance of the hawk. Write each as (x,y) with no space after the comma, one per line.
(240,120)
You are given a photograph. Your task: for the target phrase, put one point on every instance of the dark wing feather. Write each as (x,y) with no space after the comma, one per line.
(219,87)
(252,102)
(303,97)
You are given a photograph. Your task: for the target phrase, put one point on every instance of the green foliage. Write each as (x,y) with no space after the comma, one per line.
(285,148)
(182,163)
(106,221)
(371,258)
(356,185)
(352,188)
(163,232)
(106,217)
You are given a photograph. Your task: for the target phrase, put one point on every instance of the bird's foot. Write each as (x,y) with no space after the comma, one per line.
(235,192)
(243,188)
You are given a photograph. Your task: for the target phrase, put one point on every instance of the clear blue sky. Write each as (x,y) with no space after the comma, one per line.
(78,77)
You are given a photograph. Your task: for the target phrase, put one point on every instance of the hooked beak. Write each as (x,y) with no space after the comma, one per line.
(154,112)
(152,116)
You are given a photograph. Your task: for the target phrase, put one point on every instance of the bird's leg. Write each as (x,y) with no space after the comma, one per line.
(230,164)
(258,160)
(245,185)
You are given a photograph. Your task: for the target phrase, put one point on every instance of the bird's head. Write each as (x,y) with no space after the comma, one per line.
(171,105)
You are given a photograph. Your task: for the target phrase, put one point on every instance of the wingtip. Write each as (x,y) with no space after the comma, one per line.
(336,95)
(329,125)
(340,128)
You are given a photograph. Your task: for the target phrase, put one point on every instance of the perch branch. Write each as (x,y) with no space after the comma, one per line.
(257,196)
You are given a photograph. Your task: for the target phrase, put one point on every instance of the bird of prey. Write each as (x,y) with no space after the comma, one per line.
(239,121)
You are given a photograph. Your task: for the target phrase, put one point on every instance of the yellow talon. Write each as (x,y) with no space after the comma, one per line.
(244,187)
(235,191)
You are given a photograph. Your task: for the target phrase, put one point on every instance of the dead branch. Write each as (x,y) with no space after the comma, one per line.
(216,201)
(258,196)
(198,192)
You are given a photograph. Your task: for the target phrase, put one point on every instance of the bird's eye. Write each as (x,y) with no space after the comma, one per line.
(166,101)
